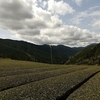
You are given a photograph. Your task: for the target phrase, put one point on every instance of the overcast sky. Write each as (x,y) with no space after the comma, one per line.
(66,22)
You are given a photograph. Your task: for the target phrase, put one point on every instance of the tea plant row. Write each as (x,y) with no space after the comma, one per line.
(17,80)
(49,88)
(89,91)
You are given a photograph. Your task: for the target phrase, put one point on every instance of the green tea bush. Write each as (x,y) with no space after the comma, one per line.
(89,91)
(16,80)
(49,88)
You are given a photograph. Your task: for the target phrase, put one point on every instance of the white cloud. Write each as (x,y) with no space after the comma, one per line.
(67,35)
(30,22)
(54,22)
(60,7)
(96,24)
(90,14)
(44,4)
(78,2)
(95,14)
(79,17)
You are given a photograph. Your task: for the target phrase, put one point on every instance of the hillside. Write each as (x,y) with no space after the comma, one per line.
(22,50)
(89,55)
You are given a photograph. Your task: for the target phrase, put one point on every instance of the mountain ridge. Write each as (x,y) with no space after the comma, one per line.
(23,50)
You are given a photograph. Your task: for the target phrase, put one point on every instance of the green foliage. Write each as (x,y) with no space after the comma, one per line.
(89,55)
(32,76)
(21,50)
(89,91)
(39,81)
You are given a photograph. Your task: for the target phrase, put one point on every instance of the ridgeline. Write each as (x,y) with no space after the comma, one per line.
(21,50)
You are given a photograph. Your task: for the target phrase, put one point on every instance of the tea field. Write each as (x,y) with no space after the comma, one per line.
(23,80)
(89,91)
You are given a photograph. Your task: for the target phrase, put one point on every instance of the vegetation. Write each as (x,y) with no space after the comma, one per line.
(89,91)
(39,81)
(21,79)
(90,55)
(20,50)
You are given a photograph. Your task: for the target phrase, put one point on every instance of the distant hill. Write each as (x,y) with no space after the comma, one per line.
(22,50)
(89,55)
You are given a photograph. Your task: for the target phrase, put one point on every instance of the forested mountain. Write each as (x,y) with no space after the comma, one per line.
(22,50)
(89,55)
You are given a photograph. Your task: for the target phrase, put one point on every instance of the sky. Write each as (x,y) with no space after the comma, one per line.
(72,23)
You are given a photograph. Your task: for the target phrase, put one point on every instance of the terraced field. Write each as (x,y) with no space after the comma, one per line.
(20,80)
(89,91)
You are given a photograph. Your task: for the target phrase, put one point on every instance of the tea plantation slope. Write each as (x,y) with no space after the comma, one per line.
(89,91)
(48,89)
(12,81)
(14,73)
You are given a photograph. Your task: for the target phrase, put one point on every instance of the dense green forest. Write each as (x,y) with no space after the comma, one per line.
(21,50)
(89,55)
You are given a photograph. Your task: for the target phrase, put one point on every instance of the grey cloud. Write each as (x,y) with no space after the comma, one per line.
(14,9)
(43,14)
(12,24)
(34,24)
(29,32)
(68,35)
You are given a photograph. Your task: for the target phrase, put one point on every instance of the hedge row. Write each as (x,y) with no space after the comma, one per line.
(89,91)
(17,80)
(47,89)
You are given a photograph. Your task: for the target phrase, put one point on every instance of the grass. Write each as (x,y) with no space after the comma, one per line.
(13,65)
(21,80)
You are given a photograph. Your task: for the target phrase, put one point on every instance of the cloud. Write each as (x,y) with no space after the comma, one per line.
(96,24)
(78,2)
(29,32)
(60,7)
(67,35)
(13,13)
(43,24)
(44,4)
(95,14)
(14,9)
(77,19)
(88,15)
(11,24)
(35,23)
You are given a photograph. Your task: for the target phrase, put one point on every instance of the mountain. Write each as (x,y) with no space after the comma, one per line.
(22,50)
(89,55)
